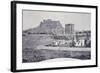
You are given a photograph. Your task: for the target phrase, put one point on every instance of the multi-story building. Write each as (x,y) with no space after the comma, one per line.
(69,31)
(69,28)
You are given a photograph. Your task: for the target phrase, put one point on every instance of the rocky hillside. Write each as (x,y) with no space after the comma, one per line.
(43,34)
(47,27)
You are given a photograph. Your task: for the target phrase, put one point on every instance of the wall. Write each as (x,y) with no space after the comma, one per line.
(5,36)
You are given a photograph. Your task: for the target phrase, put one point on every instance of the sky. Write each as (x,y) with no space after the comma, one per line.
(32,19)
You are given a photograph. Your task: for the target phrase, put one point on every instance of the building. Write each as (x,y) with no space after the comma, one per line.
(69,28)
(69,31)
(84,37)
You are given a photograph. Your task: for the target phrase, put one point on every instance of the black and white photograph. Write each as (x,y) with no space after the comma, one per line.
(55,36)
(48,36)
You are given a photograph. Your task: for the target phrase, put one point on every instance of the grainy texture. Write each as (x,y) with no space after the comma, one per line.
(50,40)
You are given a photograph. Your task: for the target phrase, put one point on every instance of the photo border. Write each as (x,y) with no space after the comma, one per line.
(13,34)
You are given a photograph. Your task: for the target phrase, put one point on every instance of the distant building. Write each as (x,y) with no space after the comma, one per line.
(84,36)
(69,28)
(69,31)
